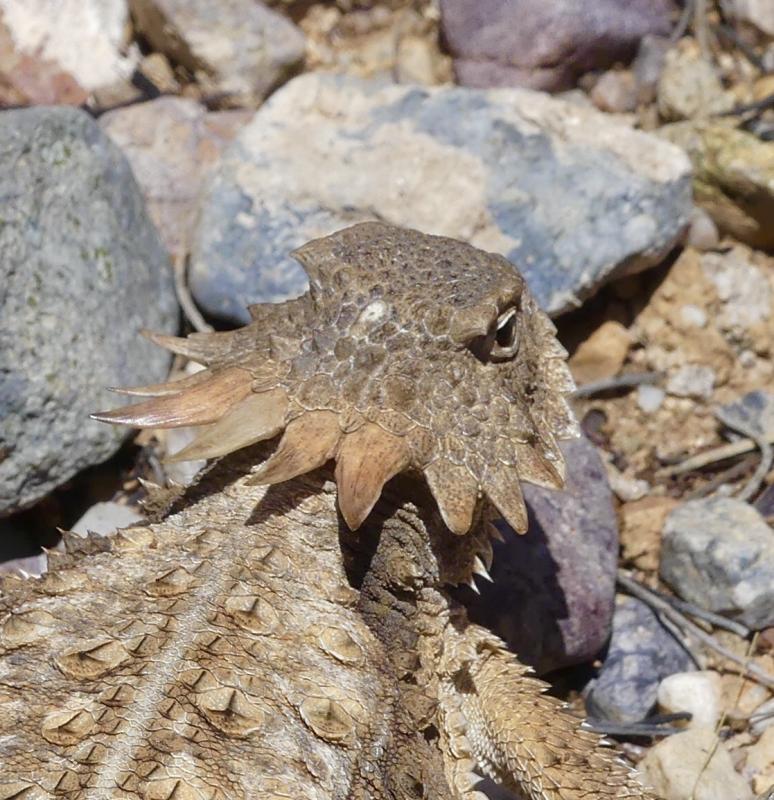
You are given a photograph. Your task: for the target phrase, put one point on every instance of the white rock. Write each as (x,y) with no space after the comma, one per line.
(743,287)
(698,693)
(649,397)
(680,768)
(84,36)
(105,519)
(692,380)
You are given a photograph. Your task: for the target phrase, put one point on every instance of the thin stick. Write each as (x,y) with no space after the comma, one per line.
(698,660)
(721,453)
(726,476)
(192,313)
(624,381)
(762,440)
(709,616)
(644,594)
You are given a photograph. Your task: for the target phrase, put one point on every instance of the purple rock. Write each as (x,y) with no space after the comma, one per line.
(545,44)
(553,591)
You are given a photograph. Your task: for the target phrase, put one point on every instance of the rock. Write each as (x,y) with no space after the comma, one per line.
(105,519)
(552,595)
(77,43)
(545,44)
(692,380)
(417,61)
(641,524)
(626,488)
(649,64)
(172,144)
(703,233)
(616,91)
(693,765)
(571,197)
(689,86)
(759,13)
(238,50)
(698,693)
(760,762)
(743,288)
(649,397)
(640,655)
(82,270)
(742,697)
(601,355)
(719,554)
(31,80)
(733,177)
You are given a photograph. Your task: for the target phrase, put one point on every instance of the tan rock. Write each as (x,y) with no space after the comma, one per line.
(689,86)
(602,355)
(172,143)
(733,177)
(741,697)
(760,762)
(641,524)
(693,765)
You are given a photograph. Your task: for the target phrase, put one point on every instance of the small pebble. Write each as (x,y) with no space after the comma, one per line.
(698,693)
(615,92)
(649,397)
(693,315)
(692,380)
(702,231)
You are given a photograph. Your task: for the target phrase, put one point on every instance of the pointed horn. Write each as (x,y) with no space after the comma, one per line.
(257,417)
(163,389)
(503,489)
(366,460)
(200,405)
(203,348)
(308,442)
(533,467)
(456,492)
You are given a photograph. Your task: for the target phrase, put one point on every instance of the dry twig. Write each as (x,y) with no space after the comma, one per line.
(192,313)
(624,381)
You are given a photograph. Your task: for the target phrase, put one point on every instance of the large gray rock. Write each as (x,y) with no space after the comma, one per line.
(545,44)
(719,554)
(81,271)
(641,654)
(571,197)
(552,595)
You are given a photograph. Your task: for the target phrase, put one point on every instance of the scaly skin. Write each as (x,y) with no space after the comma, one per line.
(249,643)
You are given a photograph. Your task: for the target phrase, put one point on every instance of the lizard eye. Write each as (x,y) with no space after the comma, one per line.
(506,339)
(502,341)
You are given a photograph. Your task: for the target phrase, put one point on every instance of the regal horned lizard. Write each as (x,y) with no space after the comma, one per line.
(250,644)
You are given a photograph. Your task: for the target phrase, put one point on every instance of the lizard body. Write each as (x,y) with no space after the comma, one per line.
(250,643)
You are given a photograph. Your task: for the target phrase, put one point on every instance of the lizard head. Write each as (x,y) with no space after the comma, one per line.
(408,352)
